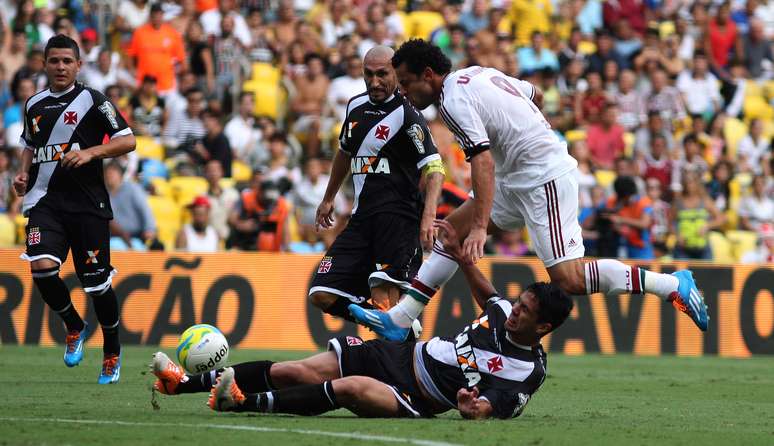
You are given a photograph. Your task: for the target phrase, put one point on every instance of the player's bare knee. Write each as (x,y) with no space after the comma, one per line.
(350,387)
(43,264)
(322,300)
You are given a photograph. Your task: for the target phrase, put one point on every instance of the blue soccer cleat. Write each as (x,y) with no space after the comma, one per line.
(379,322)
(111,370)
(689,300)
(74,345)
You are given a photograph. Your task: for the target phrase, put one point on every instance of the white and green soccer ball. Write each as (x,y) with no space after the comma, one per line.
(202,348)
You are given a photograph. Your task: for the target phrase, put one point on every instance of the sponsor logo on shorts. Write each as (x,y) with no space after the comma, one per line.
(325,265)
(33,237)
(353,341)
(92,260)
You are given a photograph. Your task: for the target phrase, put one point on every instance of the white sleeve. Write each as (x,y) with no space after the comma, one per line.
(462,118)
(526,88)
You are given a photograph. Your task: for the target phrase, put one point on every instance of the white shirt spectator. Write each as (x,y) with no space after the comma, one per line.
(195,242)
(96,79)
(701,95)
(340,91)
(242,136)
(210,21)
(134,16)
(757,210)
(395,25)
(331,32)
(753,151)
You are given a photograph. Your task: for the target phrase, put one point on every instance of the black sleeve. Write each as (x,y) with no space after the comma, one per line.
(507,403)
(111,121)
(415,126)
(26,137)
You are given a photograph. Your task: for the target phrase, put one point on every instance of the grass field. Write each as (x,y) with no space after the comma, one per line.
(585,400)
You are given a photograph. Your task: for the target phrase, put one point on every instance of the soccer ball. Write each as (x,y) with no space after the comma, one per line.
(202,348)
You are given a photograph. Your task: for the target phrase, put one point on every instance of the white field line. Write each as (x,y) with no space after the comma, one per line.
(236,427)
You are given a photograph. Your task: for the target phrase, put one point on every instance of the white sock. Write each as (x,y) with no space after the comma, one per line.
(613,277)
(434,272)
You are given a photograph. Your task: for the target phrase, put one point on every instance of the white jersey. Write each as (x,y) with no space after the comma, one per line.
(488,110)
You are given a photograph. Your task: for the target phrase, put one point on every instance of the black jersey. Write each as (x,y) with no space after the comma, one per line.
(388,143)
(57,123)
(505,373)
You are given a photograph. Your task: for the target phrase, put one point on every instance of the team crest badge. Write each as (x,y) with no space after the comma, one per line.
(382,132)
(325,265)
(495,364)
(353,341)
(33,237)
(70,118)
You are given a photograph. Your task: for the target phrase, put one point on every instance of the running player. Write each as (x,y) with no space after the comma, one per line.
(521,174)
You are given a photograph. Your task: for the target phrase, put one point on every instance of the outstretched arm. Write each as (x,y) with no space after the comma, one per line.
(472,407)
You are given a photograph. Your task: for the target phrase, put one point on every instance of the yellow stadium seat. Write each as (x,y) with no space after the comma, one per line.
(241,172)
(574,135)
(755,107)
(147,147)
(422,23)
(742,242)
(587,48)
(628,138)
(269,98)
(226,183)
(7,231)
(21,224)
(769,90)
(752,89)
(721,248)
(267,73)
(185,189)
(168,217)
(161,187)
(733,132)
(605,177)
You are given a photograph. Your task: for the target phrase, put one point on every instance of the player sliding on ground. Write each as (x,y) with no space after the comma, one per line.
(490,369)
(521,174)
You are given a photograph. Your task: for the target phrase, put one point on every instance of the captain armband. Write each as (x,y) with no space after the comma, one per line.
(434,166)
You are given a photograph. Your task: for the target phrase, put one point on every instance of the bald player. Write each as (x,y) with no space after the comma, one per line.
(386,144)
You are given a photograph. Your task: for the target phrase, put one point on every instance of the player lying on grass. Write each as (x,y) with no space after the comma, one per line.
(490,369)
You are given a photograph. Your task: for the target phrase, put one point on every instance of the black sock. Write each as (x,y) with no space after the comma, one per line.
(340,308)
(55,293)
(314,399)
(252,377)
(106,307)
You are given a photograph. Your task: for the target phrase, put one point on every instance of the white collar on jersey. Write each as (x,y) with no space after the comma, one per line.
(57,94)
(523,347)
(392,96)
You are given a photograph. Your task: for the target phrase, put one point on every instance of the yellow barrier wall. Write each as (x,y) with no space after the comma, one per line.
(259,301)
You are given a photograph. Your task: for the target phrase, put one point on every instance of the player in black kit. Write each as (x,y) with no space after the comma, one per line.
(490,369)
(387,146)
(68,130)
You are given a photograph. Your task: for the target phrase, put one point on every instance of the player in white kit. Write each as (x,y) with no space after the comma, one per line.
(522,175)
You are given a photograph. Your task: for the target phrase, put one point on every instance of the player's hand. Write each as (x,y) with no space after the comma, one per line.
(324,217)
(76,158)
(20,183)
(467,403)
(427,232)
(448,236)
(473,246)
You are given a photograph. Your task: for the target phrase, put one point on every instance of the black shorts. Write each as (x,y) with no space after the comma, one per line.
(50,234)
(389,362)
(381,248)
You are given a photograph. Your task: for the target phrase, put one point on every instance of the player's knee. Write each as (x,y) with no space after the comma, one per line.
(292,373)
(43,274)
(569,277)
(43,264)
(322,300)
(350,387)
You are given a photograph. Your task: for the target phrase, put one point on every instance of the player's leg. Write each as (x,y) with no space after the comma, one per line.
(90,241)
(341,277)
(46,251)
(559,245)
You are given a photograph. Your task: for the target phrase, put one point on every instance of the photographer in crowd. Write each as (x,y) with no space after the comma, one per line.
(259,220)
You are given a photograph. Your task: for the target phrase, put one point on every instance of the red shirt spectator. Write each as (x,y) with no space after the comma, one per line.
(633,11)
(722,36)
(605,139)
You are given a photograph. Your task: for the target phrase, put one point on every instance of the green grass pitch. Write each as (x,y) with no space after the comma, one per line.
(621,400)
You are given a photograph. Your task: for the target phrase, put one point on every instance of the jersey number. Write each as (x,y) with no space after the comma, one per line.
(503,84)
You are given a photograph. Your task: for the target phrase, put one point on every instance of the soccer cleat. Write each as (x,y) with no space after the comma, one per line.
(74,345)
(225,394)
(111,369)
(380,322)
(689,300)
(168,373)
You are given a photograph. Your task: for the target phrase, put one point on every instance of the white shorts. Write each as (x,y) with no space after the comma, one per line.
(550,213)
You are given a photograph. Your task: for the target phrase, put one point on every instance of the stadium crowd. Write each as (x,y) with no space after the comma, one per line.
(668,107)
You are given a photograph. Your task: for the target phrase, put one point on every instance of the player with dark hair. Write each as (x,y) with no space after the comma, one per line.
(68,130)
(386,144)
(521,174)
(490,369)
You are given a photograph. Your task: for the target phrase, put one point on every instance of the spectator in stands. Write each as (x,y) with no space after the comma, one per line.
(279,168)
(605,139)
(149,114)
(185,16)
(591,103)
(259,220)
(307,195)
(105,72)
(200,57)
(12,115)
(630,102)
(33,69)
(212,22)
(511,244)
(643,138)
(720,38)
(377,35)
(695,215)
(8,199)
(754,149)
(343,88)
(528,16)
(241,130)
(661,227)
(700,88)
(764,253)
(198,235)
(757,208)
(629,215)
(133,224)
(658,164)
(338,23)
(312,92)
(718,188)
(90,47)
(692,160)
(176,100)
(14,55)
(476,18)
(182,132)
(215,143)
(222,198)
(131,15)
(284,27)
(536,56)
(229,59)
(584,174)
(665,99)
(605,51)
(756,48)
(632,11)
(156,48)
